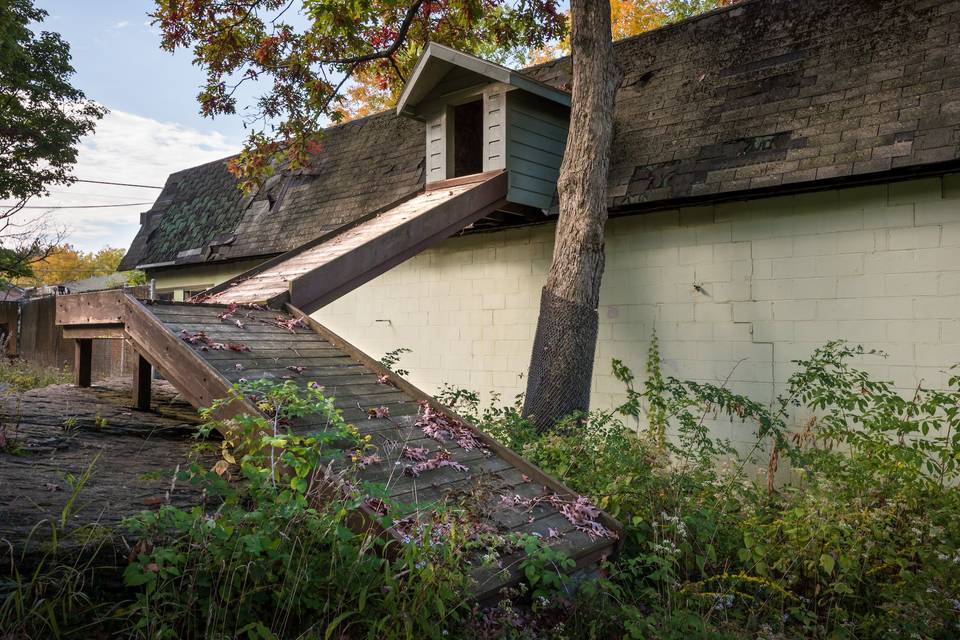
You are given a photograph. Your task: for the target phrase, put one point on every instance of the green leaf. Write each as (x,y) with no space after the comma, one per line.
(335,623)
(827,563)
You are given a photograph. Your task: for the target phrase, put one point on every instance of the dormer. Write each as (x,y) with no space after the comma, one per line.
(481,116)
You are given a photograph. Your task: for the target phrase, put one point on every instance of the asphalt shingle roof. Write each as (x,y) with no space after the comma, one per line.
(764,95)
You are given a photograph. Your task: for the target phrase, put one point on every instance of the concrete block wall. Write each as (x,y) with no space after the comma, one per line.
(735,292)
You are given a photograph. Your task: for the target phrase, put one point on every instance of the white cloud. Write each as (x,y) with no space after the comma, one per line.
(133,149)
(122,24)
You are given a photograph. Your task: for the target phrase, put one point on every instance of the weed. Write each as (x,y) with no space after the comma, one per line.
(69,424)
(21,375)
(391,358)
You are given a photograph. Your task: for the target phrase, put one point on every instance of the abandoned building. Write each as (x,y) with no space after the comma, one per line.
(783,173)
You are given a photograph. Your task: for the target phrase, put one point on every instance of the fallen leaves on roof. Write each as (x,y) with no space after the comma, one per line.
(441,428)
(439,460)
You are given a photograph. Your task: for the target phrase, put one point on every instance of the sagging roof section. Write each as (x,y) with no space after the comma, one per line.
(203,349)
(763,95)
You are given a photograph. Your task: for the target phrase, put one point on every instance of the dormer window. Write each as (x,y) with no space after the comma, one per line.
(467,150)
(481,117)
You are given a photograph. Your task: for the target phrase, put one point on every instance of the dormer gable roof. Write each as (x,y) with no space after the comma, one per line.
(438,61)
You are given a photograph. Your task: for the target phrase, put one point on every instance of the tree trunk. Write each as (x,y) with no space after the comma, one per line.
(561,366)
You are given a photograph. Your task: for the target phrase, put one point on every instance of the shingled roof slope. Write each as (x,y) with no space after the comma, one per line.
(765,94)
(782,92)
(197,207)
(201,215)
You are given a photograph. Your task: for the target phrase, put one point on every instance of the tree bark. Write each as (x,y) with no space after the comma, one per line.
(561,365)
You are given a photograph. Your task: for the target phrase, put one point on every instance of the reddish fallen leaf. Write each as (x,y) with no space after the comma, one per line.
(200,339)
(384,379)
(237,346)
(438,426)
(583,516)
(378,413)
(194,338)
(298,370)
(364,461)
(152,502)
(227,312)
(417,454)
(525,477)
(376,505)
(290,324)
(439,460)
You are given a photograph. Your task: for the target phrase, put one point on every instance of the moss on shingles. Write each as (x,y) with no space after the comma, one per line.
(207,203)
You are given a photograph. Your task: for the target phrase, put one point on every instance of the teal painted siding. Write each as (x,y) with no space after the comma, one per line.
(536,138)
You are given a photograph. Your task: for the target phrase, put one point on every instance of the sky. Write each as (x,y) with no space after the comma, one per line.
(153,128)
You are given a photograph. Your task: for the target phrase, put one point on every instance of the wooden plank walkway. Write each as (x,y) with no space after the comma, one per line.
(332,265)
(506,494)
(424,456)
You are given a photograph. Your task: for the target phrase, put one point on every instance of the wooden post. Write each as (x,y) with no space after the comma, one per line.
(82,361)
(141,384)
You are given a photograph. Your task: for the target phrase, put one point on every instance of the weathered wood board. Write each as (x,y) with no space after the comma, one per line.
(55,436)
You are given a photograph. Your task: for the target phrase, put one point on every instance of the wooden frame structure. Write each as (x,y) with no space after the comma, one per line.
(157,332)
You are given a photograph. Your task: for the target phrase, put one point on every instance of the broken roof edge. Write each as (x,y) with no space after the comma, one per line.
(490,70)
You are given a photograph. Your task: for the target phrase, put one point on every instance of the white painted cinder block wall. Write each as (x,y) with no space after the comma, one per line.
(876,265)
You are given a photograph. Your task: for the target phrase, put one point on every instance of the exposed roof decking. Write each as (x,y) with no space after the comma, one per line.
(33,488)
(276,280)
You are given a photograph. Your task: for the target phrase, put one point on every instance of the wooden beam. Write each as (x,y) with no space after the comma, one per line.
(462,180)
(195,378)
(102,331)
(83,362)
(142,379)
(327,282)
(283,257)
(100,307)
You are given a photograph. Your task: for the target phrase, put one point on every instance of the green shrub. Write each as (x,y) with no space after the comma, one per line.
(273,556)
(861,540)
(20,375)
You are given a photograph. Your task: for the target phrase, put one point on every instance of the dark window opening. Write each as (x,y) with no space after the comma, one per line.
(468,139)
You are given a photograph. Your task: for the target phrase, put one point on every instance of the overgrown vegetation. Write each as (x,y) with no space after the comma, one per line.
(21,375)
(859,539)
